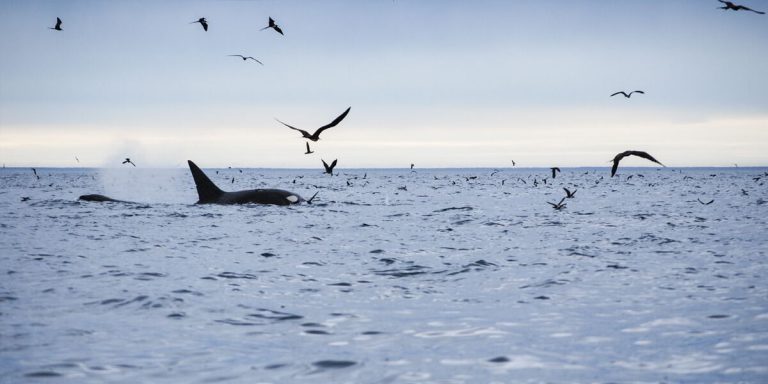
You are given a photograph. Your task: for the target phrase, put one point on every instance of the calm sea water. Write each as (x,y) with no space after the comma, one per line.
(392,276)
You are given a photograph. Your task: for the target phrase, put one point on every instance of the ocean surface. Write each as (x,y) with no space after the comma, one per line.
(390,276)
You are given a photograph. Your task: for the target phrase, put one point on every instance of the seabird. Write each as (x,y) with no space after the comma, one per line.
(316,136)
(559,205)
(624,154)
(329,169)
(58,25)
(273,26)
(731,6)
(308,150)
(707,203)
(554,171)
(627,95)
(128,161)
(202,22)
(248,57)
(513,163)
(35,172)
(569,194)
(412,165)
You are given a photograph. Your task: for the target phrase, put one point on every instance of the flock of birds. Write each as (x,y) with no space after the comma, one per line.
(328,169)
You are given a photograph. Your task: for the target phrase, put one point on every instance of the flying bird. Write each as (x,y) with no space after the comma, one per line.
(569,194)
(624,154)
(559,205)
(308,150)
(202,22)
(35,172)
(58,25)
(316,136)
(707,203)
(734,7)
(273,26)
(128,161)
(329,169)
(627,95)
(248,57)
(513,163)
(412,165)
(554,171)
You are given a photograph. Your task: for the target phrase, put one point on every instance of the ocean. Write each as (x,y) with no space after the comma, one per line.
(389,276)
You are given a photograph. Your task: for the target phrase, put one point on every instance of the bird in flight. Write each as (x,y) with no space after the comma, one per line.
(273,26)
(128,161)
(627,95)
(624,154)
(247,57)
(707,203)
(308,150)
(554,171)
(316,136)
(513,163)
(569,194)
(202,22)
(559,205)
(734,7)
(329,169)
(58,25)
(35,172)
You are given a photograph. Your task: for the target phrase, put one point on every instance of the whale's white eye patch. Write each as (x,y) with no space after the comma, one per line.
(292,198)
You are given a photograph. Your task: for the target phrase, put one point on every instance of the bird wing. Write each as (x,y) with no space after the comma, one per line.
(271,22)
(280,31)
(332,123)
(325,165)
(333,165)
(205,25)
(567,191)
(237,56)
(249,57)
(640,92)
(307,146)
(58,22)
(615,164)
(552,204)
(619,93)
(645,155)
(303,132)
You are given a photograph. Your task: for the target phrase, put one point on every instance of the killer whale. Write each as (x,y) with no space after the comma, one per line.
(209,193)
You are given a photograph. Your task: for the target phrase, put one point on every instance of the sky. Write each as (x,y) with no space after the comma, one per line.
(434,83)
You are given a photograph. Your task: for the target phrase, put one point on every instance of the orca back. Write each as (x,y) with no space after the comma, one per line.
(207,191)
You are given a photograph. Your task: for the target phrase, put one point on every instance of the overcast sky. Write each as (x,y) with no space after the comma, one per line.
(435,83)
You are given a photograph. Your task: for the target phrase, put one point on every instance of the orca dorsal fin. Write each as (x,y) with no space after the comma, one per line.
(206,189)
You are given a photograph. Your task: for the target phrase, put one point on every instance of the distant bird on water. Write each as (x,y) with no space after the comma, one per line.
(624,154)
(627,95)
(273,26)
(559,205)
(58,25)
(247,57)
(554,171)
(707,203)
(308,150)
(202,22)
(316,136)
(734,7)
(128,161)
(329,169)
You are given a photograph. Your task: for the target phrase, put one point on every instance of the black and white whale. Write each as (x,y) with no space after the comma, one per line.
(209,193)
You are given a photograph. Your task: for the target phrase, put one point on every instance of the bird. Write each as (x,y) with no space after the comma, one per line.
(316,136)
(308,150)
(559,205)
(25,198)
(513,163)
(58,25)
(248,57)
(35,172)
(627,95)
(128,161)
(734,7)
(412,165)
(273,26)
(569,194)
(76,159)
(707,203)
(554,171)
(202,22)
(624,154)
(329,169)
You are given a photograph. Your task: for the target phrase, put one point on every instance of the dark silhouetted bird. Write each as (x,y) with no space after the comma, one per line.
(707,203)
(569,194)
(513,163)
(554,171)
(624,154)
(274,26)
(412,165)
(247,57)
(316,136)
(35,172)
(202,22)
(329,169)
(58,25)
(559,205)
(25,198)
(627,95)
(308,150)
(128,161)
(734,7)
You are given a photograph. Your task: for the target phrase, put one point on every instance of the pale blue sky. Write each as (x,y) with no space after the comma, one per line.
(436,83)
